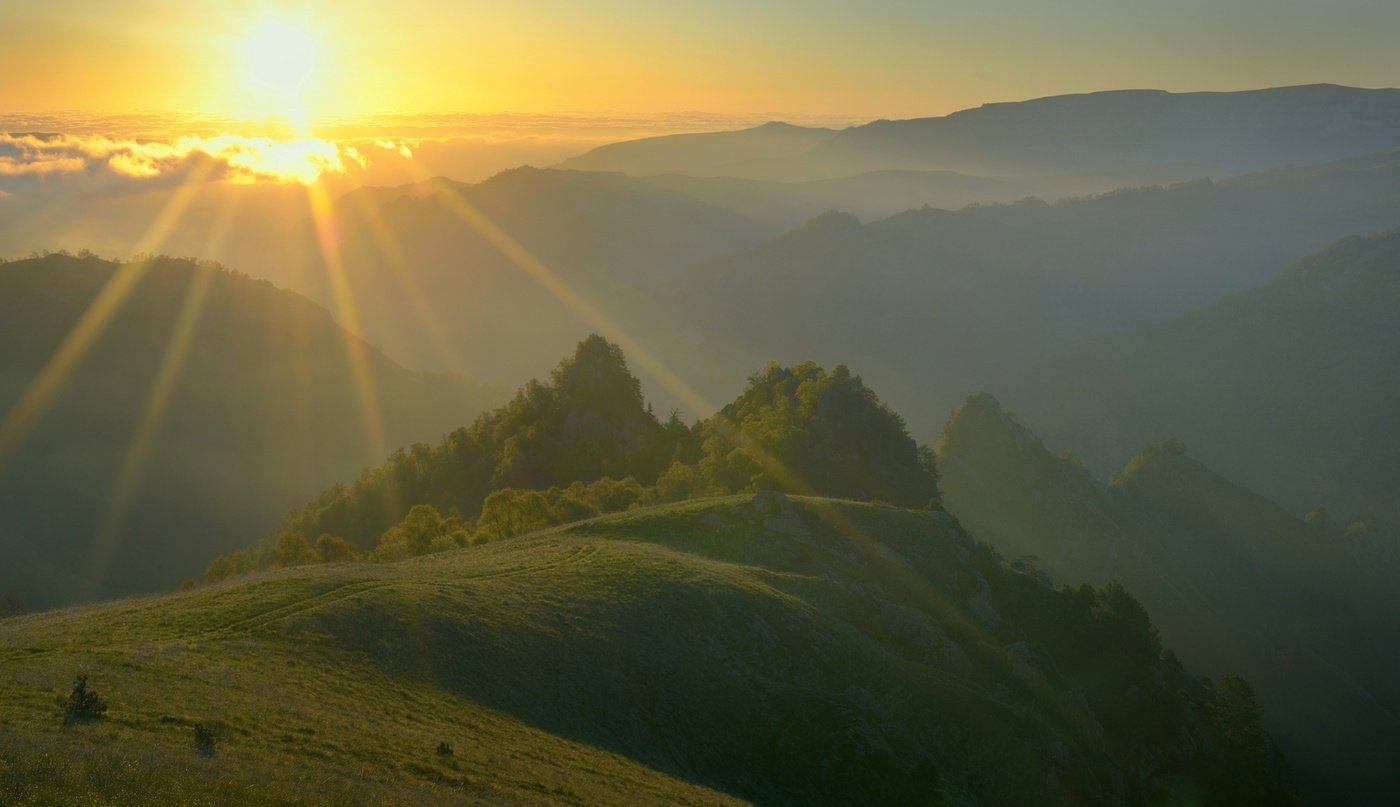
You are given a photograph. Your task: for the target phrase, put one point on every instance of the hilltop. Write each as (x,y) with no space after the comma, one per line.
(692,653)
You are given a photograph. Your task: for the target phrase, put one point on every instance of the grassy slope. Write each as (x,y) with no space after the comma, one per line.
(640,658)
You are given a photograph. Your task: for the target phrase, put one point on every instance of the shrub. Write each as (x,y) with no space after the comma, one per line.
(83,705)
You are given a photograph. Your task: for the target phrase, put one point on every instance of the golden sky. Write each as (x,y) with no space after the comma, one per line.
(882,58)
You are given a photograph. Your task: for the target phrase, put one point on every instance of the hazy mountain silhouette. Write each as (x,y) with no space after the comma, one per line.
(703,153)
(436,289)
(879,194)
(934,304)
(1290,388)
(264,410)
(1234,581)
(1151,134)
(1200,134)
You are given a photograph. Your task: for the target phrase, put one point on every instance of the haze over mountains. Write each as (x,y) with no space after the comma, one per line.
(1194,134)
(1290,387)
(570,574)
(211,404)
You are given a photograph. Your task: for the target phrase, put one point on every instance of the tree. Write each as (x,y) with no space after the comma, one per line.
(803,429)
(334,549)
(83,705)
(1235,713)
(511,512)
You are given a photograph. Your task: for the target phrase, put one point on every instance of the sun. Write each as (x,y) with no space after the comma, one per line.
(279,63)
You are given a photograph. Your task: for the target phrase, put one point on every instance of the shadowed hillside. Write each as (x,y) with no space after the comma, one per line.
(1235,582)
(209,404)
(1290,388)
(667,655)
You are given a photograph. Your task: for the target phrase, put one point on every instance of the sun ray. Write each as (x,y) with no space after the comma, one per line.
(452,200)
(536,270)
(134,462)
(449,355)
(356,350)
(137,456)
(31,406)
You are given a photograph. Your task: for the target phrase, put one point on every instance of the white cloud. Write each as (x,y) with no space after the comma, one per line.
(232,158)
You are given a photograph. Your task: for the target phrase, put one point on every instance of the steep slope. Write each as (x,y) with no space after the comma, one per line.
(806,651)
(1202,133)
(1235,583)
(701,154)
(1290,388)
(208,405)
(963,297)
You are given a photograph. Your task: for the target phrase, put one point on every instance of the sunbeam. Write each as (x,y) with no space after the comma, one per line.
(393,253)
(356,351)
(31,406)
(137,456)
(133,467)
(593,316)
(597,319)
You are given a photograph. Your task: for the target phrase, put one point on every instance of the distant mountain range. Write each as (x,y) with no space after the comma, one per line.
(441,289)
(936,304)
(702,154)
(209,404)
(1191,134)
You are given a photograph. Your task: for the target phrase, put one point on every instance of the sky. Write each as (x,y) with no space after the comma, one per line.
(149,91)
(803,58)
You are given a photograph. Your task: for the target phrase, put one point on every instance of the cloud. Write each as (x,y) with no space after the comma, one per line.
(94,159)
(400,147)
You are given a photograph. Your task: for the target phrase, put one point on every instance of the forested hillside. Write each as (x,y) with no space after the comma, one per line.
(1236,583)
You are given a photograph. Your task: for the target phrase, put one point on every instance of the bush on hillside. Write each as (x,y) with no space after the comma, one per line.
(83,704)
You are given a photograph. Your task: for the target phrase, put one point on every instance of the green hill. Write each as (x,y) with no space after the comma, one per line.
(585,442)
(754,647)
(208,405)
(1236,583)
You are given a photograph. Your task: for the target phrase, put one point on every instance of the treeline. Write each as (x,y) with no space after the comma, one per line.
(586,443)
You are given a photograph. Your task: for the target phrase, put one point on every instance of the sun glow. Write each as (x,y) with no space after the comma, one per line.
(279,63)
